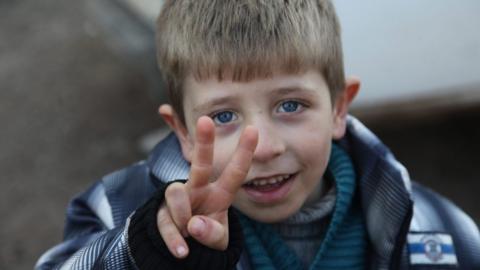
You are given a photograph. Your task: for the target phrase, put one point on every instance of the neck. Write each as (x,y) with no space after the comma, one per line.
(321,189)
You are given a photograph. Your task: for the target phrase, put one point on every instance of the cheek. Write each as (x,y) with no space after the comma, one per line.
(313,148)
(317,152)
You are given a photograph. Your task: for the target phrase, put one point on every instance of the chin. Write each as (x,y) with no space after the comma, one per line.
(270,214)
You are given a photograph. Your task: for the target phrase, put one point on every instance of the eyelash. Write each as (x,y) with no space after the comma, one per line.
(215,116)
(233,116)
(299,105)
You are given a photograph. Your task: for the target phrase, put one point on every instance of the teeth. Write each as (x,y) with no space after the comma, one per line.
(269,181)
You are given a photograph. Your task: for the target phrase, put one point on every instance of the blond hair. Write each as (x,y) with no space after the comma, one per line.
(248,39)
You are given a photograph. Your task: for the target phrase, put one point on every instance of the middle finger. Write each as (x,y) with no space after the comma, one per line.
(234,174)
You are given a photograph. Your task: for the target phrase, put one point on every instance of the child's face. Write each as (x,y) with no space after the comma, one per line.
(296,123)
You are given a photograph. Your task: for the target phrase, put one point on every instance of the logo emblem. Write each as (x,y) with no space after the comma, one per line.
(431,249)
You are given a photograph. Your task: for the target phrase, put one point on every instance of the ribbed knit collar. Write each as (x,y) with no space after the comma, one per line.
(316,211)
(304,231)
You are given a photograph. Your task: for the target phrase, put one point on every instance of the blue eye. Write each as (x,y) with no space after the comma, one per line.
(224,117)
(289,106)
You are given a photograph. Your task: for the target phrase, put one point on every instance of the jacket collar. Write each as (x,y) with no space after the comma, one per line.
(384,186)
(385,191)
(166,161)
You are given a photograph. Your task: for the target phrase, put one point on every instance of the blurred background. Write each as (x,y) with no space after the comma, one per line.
(79,92)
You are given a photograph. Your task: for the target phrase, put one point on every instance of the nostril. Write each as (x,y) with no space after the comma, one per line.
(268,149)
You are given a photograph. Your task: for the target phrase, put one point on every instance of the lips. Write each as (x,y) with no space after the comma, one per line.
(258,182)
(269,190)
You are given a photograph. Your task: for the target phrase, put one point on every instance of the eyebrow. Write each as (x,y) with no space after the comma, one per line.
(230,99)
(287,90)
(214,102)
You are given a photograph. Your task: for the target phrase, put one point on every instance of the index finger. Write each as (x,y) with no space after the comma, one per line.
(234,174)
(202,159)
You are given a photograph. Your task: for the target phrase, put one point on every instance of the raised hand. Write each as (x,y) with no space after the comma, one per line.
(199,207)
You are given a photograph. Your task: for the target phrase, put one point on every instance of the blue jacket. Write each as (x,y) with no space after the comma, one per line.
(409,226)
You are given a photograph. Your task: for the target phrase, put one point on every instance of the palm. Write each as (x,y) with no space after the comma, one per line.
(210,199)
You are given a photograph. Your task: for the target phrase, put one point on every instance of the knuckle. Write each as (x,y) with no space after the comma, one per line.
(203,168)
(173,190)
(169,234)
(163,217)
(183,217)
(179,210)
(236,171)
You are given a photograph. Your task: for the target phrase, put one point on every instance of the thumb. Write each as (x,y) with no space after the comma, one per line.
(209,232)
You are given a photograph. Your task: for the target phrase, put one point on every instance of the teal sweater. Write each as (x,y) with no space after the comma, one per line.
(344,245)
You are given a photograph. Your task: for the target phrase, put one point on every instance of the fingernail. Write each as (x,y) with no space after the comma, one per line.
(181,251)
(198,226)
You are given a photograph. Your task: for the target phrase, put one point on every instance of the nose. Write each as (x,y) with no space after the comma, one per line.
(270,142)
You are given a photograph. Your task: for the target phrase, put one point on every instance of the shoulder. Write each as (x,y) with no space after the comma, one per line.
(133,177)
(116,195)
(435,214)
(122,191)
(128,188)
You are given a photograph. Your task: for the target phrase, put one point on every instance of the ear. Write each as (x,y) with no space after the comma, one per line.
(341,105)
(171,118)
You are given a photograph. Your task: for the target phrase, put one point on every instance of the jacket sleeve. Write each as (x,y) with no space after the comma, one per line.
(92,242)
(90,239)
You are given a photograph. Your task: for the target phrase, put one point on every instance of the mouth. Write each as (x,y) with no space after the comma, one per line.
(269,182)
(269,189)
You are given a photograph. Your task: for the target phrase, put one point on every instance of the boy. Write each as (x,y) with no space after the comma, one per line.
(279,177)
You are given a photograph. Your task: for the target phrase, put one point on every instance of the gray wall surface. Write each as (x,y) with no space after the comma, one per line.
(406,49)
